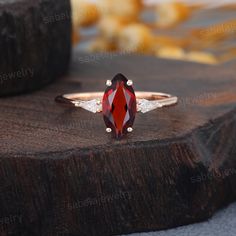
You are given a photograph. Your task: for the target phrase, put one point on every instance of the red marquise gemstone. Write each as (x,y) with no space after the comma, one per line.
(119,106)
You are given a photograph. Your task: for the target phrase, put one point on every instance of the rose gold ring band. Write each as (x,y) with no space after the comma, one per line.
(146,101)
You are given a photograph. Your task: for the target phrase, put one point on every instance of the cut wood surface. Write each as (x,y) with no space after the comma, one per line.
(62,174)
(35,43)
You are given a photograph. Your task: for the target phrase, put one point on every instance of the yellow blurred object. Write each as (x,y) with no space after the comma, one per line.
(101,45)
(202,57)
(136,38)
(120,29)
(84,13)
(104,7)
(110,27)
(167,41)
(74,6)
(176,53)
(171,13)
(127,10)
(75,36)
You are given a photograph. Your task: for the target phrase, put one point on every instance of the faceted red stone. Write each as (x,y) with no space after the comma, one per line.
(119,106)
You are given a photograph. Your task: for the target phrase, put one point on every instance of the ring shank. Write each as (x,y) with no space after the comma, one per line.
(98,95)
(157,99)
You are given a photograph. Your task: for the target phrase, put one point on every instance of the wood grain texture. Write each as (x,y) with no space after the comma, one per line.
(62,174)
(35,43)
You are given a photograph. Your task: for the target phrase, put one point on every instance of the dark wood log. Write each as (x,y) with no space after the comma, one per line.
(62,174)
(35,43)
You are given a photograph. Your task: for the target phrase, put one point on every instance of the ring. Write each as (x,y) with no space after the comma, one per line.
(119,104)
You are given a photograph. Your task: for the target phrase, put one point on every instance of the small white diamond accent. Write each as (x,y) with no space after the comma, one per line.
(92,105)
(145,105)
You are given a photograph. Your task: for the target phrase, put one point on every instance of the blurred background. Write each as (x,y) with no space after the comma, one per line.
(198,31)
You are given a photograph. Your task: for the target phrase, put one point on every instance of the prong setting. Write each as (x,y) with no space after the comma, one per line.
(108,83)
(130,129)
(129,82)
(108,130)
